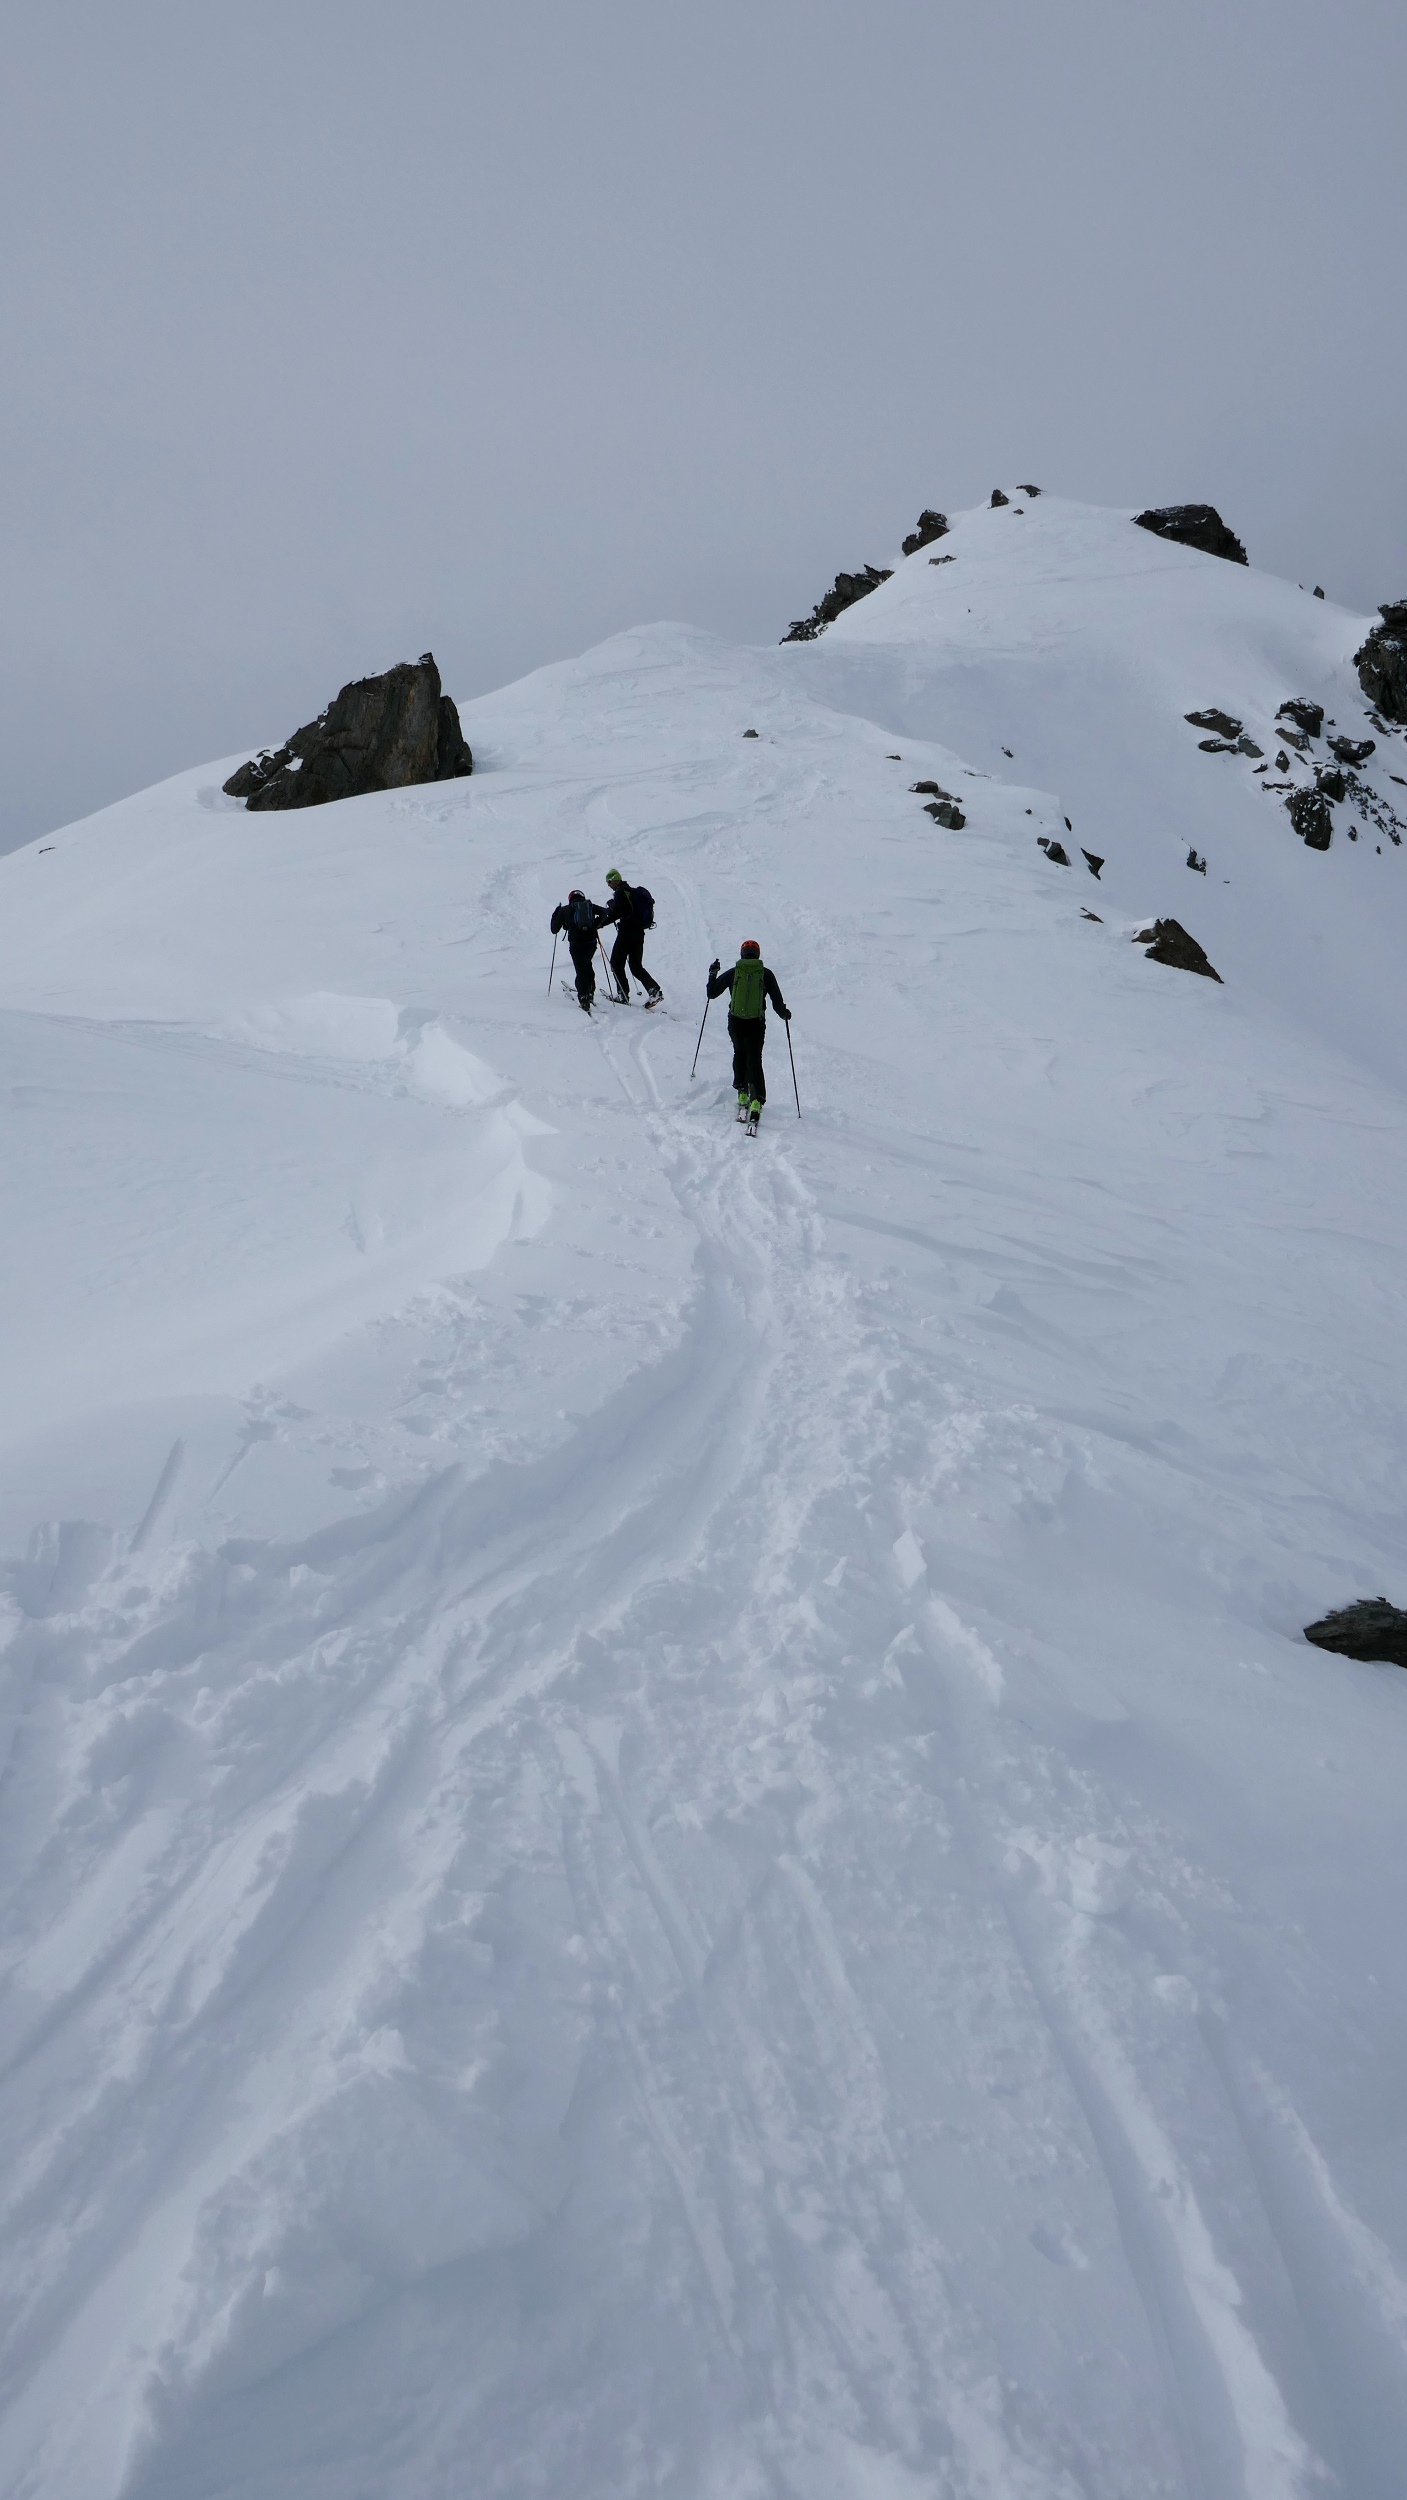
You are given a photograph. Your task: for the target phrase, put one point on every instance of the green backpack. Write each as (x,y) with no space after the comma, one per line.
(749,988)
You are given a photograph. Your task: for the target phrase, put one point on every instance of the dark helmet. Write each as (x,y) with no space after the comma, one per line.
(749,947)
(576,895)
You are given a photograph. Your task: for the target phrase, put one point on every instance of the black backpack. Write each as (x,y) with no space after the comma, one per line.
(582,914)
(642,906)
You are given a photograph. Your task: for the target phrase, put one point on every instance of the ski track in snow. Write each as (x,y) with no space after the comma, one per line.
(727,1945)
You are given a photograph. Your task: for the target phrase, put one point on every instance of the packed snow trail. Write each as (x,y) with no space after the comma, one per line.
(700,1858)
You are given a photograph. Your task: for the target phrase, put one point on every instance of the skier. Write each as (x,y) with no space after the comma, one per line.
(633,910)
(581,918)
(749,986)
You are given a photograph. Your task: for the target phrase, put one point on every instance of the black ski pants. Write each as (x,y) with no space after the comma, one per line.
(582,943)
(747,1035)
(630,939)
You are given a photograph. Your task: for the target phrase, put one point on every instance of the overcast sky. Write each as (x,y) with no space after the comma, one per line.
(336,332)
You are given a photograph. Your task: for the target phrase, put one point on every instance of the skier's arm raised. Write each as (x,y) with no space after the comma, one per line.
(718,981)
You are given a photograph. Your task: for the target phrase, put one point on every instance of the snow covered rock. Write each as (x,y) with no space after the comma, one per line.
(1382,662)
(381,733)
(1194,525)
(1308,718)
(1370,1629)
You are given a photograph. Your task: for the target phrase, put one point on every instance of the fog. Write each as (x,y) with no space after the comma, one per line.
(336,333)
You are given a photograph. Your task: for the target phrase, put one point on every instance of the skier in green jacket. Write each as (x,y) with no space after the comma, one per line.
(749,986)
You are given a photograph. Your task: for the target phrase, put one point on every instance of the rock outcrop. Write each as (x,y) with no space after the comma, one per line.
(931,525)
(998,499)
(1309,813)
(1307,716)
(1370,1629)
(1171,944)
(1224,723)
(1352,751)
(848,588)
(381,733)
(1382,662)
(1197,525)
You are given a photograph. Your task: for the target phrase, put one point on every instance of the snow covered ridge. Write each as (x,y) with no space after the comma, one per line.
(666,1827)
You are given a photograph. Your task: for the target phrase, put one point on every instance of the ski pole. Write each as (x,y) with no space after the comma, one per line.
(698,1046)
(610,976)
(792,1057)
(554,963)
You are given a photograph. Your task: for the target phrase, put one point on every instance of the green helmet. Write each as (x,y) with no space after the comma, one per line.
(614,877)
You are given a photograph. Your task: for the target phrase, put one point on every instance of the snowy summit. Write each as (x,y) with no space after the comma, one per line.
(667,1830)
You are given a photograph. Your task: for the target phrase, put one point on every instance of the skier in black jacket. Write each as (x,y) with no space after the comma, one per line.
(633,918)
(749,986)
(581,918)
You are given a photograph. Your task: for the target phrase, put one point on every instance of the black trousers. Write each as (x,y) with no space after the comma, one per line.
(627,950)
(747,1035)
(583,950)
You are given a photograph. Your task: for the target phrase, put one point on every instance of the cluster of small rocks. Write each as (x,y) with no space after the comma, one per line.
(381,733)
(1299,724)
(1197,525)
(941,805)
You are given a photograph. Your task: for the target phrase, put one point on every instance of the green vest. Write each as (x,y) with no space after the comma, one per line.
(749,997)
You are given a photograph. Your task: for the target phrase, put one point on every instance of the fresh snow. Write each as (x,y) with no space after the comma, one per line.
(665,1826)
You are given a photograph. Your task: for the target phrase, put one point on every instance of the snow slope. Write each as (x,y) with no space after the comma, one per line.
(664,1826)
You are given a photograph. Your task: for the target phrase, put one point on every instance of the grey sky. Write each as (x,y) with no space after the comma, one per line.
(337,332)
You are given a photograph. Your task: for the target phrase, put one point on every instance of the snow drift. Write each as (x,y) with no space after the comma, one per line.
(665,1827)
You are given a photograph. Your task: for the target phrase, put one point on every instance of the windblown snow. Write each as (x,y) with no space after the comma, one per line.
(665,1826)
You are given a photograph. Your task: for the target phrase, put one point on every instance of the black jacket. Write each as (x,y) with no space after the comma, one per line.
(622,907)
(562,919)
(718,982)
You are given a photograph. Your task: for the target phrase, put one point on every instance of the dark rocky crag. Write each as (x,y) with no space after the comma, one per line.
(1171,944)
(1194,525)
(1310,814)
(1370,1629)
(848,588)
(931,525)
(381,733)
(1382,662)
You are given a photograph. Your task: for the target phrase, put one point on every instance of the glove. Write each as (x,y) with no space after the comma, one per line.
(786,1011)
(713,967)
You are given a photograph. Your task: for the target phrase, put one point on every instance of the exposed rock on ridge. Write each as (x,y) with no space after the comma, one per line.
(931,525)
(1382,662)
(848,588)
(381,733)
(1370,1629)
(1194,525)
